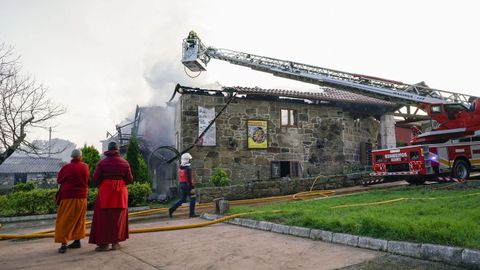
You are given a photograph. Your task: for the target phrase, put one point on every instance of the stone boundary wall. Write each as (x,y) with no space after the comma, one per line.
(275,187)
(54,216)
(450,255)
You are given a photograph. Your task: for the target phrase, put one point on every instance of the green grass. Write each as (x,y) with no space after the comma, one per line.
(447,217)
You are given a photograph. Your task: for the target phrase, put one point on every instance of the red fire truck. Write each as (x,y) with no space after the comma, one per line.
(418,163)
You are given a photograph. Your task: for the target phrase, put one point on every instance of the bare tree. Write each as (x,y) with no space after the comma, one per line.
(23,106)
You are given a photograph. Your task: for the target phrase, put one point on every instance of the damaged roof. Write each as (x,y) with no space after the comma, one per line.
(31,165)
(324,95)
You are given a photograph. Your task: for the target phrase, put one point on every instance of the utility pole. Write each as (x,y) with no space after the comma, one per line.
(49,140)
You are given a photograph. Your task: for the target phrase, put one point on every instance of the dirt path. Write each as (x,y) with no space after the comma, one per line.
(219,246)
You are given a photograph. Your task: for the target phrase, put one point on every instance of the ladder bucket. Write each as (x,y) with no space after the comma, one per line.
(193,56)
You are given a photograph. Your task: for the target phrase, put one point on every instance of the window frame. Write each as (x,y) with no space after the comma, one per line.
(290,112)
(294,168)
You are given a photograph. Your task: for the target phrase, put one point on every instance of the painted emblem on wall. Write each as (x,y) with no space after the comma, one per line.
(257,134)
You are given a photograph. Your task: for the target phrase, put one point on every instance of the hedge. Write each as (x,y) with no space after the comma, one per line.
(42,201)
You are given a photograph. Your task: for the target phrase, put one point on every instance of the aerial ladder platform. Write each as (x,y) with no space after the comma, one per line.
(456,114)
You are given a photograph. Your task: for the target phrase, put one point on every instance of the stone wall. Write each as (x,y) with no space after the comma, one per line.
(325,139)
(275,187)
(356,131)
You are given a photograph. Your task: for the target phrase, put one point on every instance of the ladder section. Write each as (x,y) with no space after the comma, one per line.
(367,85)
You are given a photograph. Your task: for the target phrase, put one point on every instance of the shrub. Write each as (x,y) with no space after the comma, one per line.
(33,202)
(138,194)
(220,178)
(92,196)
(24,187)
(42,201)
(91,156)
(6,209)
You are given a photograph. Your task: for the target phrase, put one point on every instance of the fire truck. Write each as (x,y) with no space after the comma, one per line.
(451,147)
(452,160)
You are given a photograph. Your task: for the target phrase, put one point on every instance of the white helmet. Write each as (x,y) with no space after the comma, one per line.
(185,159)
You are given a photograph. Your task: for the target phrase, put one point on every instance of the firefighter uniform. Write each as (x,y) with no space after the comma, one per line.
(186,184)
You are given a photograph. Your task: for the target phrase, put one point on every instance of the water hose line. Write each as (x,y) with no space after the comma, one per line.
(145,230)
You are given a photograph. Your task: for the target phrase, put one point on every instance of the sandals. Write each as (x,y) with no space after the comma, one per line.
(102,248)
(116,246)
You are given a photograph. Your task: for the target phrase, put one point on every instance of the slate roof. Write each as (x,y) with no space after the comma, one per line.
(31,165)
(326,94)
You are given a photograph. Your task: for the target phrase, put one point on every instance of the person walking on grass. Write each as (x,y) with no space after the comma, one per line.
(72,202)
(187,187)
(110,213)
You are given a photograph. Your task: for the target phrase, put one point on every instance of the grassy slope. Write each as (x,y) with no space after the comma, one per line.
(453,218)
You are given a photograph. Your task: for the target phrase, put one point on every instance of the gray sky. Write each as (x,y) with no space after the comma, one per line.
(102,58)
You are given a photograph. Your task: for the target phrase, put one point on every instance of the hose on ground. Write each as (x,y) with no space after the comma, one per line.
(144,230)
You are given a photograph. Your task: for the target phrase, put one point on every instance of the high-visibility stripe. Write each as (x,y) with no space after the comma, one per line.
(475,161)
(394,173)
(444,162)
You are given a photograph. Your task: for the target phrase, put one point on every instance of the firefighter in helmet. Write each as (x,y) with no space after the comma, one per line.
(192,38)
(187,188)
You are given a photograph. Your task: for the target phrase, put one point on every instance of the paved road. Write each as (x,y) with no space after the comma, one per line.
(220,246)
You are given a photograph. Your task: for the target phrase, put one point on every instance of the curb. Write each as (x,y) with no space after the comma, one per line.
(54,216)
(450,255)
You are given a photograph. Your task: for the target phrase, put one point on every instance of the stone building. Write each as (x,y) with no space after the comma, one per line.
(41,171)
(266,134)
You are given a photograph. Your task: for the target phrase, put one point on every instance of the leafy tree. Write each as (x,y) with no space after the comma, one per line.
(24,105)
(137,163)
(91,156)
(143,171)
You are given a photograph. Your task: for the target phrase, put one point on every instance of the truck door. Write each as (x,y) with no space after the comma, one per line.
(443,161)
(475,161)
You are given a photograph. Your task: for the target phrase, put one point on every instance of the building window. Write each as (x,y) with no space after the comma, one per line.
(20,178)
(285,169)
(289,118)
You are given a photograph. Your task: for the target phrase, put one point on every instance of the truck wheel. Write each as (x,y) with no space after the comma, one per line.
(461,169)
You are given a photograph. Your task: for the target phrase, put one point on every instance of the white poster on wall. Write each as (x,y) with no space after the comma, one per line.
(205,116)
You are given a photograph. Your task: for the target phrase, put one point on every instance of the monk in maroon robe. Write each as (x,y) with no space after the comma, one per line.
(110,213)
(72,202)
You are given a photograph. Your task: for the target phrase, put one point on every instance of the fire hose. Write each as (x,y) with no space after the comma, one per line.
(46,234)
(298,196)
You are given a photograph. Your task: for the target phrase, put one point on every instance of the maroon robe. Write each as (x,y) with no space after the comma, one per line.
(110,225)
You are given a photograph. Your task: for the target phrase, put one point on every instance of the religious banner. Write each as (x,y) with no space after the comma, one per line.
(257,134)
(205,116)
